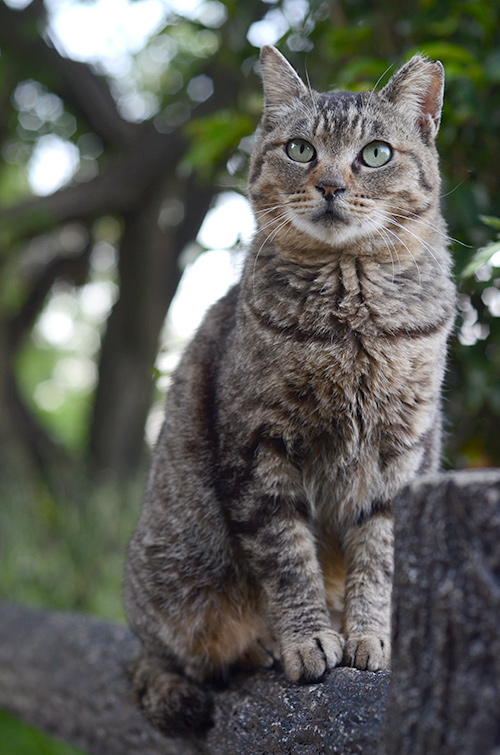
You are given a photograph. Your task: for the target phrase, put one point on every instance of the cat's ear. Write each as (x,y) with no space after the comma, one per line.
(417,88)
(281,83)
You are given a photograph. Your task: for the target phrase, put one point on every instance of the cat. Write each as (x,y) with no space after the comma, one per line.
(308,398)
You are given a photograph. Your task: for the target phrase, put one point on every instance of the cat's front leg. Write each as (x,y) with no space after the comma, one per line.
(281,551)
(368,549)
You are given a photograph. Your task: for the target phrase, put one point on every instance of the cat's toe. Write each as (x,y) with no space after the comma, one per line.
(257,656)
(306,659)
(370,652)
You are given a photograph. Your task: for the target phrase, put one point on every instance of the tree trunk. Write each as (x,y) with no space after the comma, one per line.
(149,275)
(445,690)
(138,171)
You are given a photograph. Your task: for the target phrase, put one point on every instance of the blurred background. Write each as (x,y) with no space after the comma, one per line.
(125,132)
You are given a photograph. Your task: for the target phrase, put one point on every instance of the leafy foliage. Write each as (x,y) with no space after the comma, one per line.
(197,77)
(19,738)
(67,550)
(213,138)
(196,81)
(484,255)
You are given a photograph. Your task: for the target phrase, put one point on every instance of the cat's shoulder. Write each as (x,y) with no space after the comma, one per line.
(221,316)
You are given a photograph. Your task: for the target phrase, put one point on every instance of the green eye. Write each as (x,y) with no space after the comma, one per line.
(300,151)
(376,154)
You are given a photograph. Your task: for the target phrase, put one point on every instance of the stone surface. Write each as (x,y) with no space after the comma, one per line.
(66,674)
(445,690)
(264,714)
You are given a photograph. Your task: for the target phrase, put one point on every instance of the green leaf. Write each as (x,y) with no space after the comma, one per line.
(19,738)
(482,257)
(214,137)
(156,374)
(448,52)
(491,221)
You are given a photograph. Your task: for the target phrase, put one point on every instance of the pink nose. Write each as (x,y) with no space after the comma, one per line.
(331,187)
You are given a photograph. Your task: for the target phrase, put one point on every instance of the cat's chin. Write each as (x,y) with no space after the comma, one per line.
(331,231)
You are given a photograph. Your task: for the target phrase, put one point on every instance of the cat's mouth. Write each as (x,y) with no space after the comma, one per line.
(329,214)
(330,224)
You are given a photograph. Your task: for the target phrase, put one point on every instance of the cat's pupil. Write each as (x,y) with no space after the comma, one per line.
(300,150)
(376,154)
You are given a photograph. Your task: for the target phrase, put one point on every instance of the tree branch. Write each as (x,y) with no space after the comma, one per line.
(76,83)
(44,451)
(130,343)
(67,675)
(74,268)
(118,188)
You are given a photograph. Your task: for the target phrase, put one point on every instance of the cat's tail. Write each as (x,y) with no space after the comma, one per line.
(173,703)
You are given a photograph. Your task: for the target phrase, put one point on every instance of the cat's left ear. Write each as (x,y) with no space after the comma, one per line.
(282,85)
(417,88)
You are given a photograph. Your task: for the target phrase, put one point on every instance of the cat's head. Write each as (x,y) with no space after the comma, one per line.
(344,169)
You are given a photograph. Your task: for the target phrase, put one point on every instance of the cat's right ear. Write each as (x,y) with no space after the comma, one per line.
(282,85)
(417,89)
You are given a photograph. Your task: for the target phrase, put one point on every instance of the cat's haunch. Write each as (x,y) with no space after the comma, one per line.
(308,398)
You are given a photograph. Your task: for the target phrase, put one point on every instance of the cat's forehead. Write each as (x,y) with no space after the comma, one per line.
(339,100)
(336,110)
(345,114)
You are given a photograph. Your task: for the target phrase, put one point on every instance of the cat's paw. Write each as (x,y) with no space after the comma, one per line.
(370,652)
(258,655)
(306,659)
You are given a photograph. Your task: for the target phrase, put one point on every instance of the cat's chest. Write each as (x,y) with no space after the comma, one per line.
(340,344)
(348,356)
(345,406)
(343,386)
(353,419)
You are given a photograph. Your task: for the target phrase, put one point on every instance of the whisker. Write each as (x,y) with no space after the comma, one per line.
(442,196)
(269,209)
(426,245)
(393,233)
(307,109)
(416,219)
(389,217)
(268,238)
(270,222)
(385,237)
(371,236)
(387,241)
(372,91)
(313,103)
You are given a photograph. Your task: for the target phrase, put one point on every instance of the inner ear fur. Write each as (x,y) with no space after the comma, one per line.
(281,82)
(417,88)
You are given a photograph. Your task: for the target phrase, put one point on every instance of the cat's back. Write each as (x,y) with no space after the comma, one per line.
(209,343)
(185,451)
(180,515)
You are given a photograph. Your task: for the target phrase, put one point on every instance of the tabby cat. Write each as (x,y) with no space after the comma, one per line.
(309,396)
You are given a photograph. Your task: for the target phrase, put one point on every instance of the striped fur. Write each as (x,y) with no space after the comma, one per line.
(309,396)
